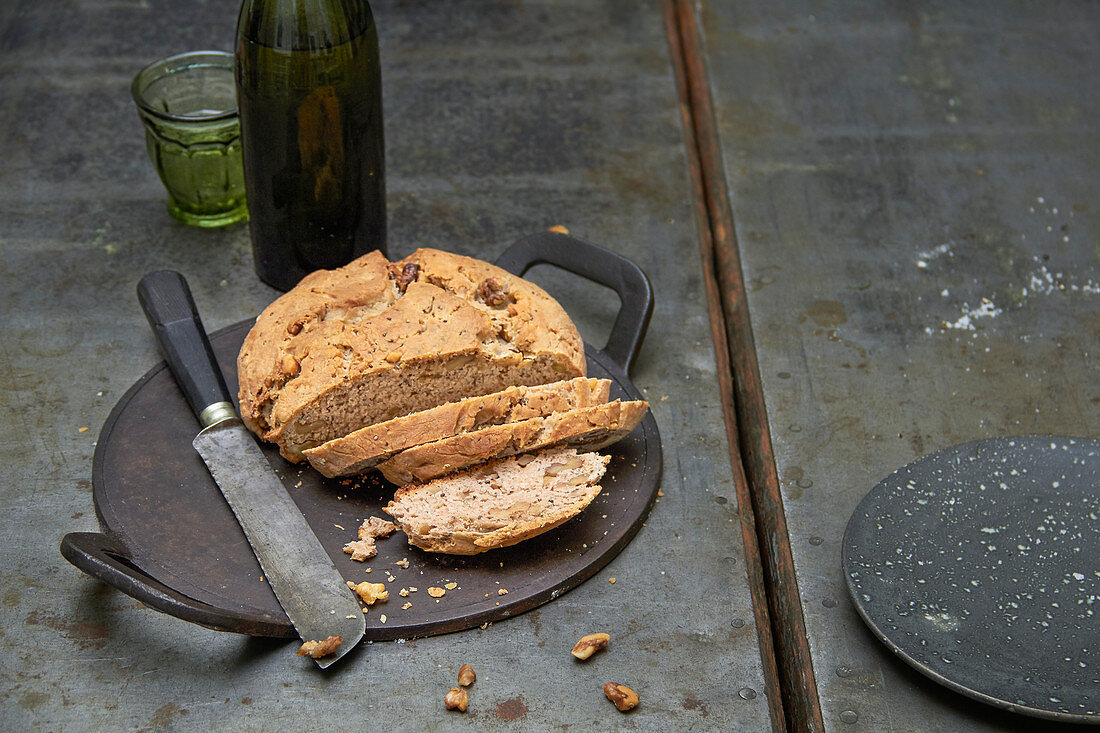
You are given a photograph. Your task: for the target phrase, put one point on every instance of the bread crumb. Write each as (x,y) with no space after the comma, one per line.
(407,606)
(436,592)
(372,528)
(376,527)
(404,592)
(502,591)
(403,562)
(382,618)
(318,649)
(82,430)
(361,550)
(611,580)
(451,586)
(558,229)
(413,589)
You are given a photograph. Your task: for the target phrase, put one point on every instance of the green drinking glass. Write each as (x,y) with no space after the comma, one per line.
(188,103)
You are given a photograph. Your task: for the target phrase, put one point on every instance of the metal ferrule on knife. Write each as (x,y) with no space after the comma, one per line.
(216,412)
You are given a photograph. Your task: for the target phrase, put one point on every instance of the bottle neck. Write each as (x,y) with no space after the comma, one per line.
(300,25)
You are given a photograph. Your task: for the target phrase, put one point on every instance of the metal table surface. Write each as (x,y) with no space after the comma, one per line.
(502,119)
(912,190)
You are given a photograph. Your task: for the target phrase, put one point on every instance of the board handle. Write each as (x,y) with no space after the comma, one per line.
(601,266)
(104,559)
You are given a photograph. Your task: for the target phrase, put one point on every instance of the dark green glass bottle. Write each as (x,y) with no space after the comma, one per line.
(309,91)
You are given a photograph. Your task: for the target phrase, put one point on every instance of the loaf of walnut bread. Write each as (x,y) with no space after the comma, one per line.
(367,447)
(375,340)
(498,503)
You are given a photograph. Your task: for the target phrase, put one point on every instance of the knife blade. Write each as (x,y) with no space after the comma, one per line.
(306,582)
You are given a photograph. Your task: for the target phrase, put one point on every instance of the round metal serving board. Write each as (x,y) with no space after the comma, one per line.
(167,526)
(979,566)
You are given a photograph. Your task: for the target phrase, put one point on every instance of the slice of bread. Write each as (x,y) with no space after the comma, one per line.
(367,447)
(587,428)
(500,503)
(375,340)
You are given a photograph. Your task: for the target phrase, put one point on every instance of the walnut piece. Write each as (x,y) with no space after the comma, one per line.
(466,675)
(318,649)
(491,292)
(407,274)
(289,366)
(370,592)
(623,697)
(456,699)
(554,469)
(589,645)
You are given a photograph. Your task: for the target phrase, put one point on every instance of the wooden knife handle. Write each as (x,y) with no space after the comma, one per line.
(167,302)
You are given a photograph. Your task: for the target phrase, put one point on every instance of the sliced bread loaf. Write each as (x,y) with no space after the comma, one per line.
(374,340)
(367,447)
(587,428)
(500,503)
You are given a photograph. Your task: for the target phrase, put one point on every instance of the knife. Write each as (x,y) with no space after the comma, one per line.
(310,589)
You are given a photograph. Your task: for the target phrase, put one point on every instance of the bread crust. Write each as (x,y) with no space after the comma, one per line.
(374,340)
(588,428)
(365,448)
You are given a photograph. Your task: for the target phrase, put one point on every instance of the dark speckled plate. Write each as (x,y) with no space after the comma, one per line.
(979,565)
